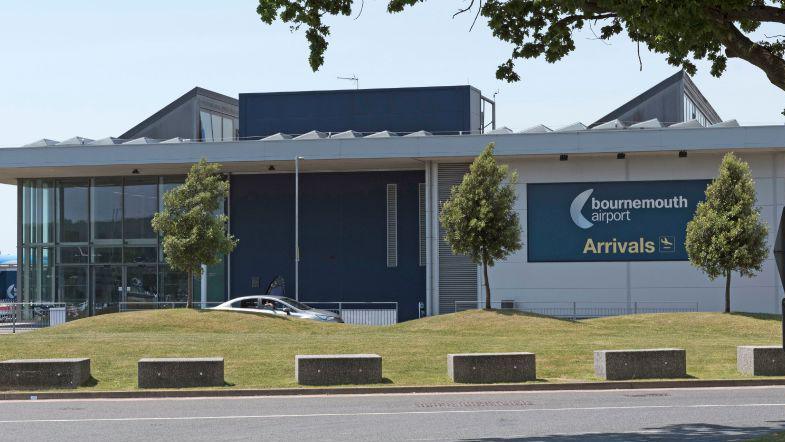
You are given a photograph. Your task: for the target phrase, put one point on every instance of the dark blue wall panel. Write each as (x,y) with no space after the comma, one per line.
(343,237)
(435,109)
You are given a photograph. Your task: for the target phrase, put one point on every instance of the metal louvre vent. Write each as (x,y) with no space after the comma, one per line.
(392,225)
(421,203)
(457,273)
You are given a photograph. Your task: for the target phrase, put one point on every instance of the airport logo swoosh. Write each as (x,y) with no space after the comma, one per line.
(577,206)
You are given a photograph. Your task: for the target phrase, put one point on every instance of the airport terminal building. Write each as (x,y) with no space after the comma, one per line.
(603,207)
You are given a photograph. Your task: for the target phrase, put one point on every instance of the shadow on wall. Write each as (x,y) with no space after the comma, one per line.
(692,432)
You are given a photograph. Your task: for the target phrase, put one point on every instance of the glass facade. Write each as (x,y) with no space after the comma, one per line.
(89,243)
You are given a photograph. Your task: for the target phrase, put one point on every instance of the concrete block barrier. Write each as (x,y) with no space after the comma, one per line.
(760,360)
(29,374)
(180,372)
(656,363)
(487,368)
(338,369)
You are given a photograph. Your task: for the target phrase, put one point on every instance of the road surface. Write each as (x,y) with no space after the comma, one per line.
(714,414)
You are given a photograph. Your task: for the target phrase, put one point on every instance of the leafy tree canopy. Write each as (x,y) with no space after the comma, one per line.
(726,234)
(193,233)
(479,219)
(682,30)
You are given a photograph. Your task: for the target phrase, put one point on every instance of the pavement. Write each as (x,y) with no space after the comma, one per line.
(700,414)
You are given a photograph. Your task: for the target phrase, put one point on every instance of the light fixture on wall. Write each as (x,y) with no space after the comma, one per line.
(621,156)
(682,154)
(563,157)
(135,171)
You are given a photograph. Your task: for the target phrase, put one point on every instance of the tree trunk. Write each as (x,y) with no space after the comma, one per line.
(487,285)
(189,300)
(727,292)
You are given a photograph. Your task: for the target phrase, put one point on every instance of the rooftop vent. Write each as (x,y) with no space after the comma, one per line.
(43,142)
(574,127)
(382,134)
(278,136)
(538,129)
(347,134)
(143,140)
(312,135)
(648,124)
(419,133)
(75,141)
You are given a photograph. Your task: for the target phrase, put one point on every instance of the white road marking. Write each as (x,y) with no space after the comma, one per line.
(406,394)
(385,413)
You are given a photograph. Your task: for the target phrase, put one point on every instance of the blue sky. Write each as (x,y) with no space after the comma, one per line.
(96,68)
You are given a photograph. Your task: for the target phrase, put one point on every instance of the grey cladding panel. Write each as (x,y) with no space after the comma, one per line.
(457,273)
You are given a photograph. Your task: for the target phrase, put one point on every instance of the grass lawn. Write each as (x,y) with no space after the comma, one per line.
(774,437)
(259,351)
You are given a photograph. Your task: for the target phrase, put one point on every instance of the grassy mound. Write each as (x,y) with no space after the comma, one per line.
(259,350)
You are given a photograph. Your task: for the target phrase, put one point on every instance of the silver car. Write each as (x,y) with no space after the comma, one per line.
(277,306)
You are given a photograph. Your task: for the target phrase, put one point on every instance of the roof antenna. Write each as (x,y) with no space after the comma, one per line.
(352,78)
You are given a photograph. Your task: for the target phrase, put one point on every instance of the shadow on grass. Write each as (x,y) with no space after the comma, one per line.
(512,312)
(761,316)
(92,382)
(692,432)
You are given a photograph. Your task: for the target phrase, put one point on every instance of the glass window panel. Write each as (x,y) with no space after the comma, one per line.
(228,129)
(206,125)
(217,127)
(107,209)
(73,255)
(140,204)
(27,189)
(107,255)
(74,213)
(175,285)
(141,288)
(136,255)
(37,212)
(72,287)
(107,287)
(47,275)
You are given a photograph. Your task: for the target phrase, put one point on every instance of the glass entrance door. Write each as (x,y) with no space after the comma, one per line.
(107,288)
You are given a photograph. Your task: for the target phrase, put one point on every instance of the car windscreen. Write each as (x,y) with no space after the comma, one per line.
(295,304)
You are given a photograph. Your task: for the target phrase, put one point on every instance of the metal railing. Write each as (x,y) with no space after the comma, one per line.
(367,313)
(141,305)
(23,316)
(582,310)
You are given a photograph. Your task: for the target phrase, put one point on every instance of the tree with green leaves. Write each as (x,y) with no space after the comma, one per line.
(478,219)
(726,234)
(683,31)
(192,231)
